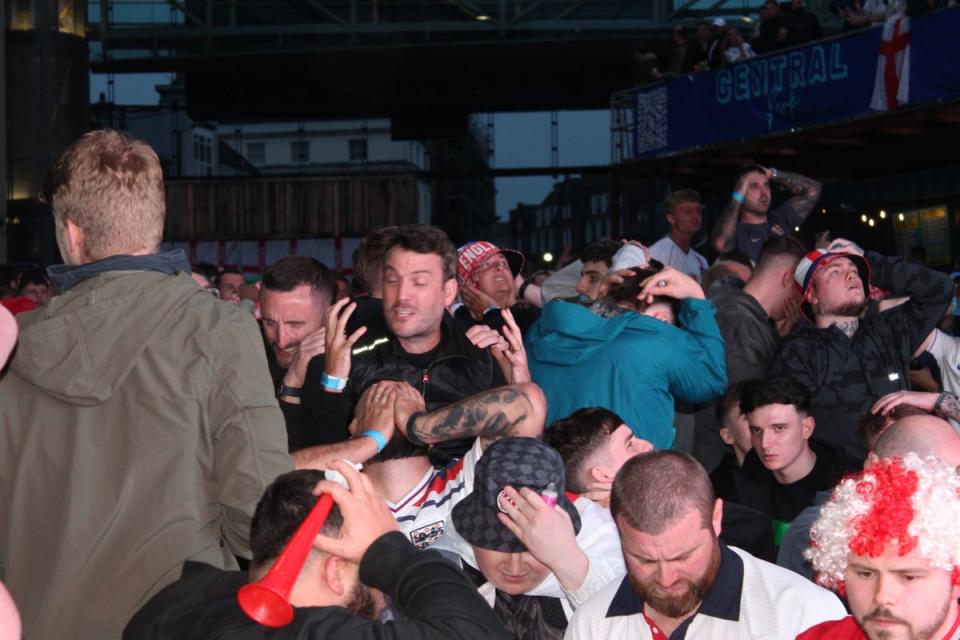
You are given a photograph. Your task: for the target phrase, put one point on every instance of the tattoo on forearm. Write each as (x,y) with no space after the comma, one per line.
(849,327)
(493,414)
(726,227)
(806,192)
(948,407)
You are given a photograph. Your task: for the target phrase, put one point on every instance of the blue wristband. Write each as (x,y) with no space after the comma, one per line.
(377,437)
(333,383)
(736,195)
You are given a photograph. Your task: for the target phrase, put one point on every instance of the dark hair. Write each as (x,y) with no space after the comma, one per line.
(281,509)
(778,247)
(33,276)
(577,437)
(653,490)
(424,238)
(207,270)
(678,197)
(727,401)
(229,272)
(627,291)
(750,168)
(600,251)
(368,260)
(872,425)
(777,390)
(286,274)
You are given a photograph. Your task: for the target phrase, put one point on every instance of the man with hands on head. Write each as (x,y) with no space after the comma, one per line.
(653,334)
(358,557)
(853,355)
(393,434)
(747,222)
(487,278)
(534,551)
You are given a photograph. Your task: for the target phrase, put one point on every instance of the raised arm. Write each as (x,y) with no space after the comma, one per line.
(806,192)
(721,238)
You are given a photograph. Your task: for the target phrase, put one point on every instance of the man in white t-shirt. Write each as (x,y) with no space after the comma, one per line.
(419,496)
(682,581)
(685,215)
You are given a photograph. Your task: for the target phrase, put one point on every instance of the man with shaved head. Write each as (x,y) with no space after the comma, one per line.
(924,435)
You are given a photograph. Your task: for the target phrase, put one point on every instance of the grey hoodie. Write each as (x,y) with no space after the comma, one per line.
(138,429)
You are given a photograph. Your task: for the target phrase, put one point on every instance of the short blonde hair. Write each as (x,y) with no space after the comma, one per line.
(111,186)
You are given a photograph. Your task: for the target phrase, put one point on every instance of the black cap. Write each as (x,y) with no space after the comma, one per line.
(517,462)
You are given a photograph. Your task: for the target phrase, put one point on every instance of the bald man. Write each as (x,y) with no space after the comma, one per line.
(924,435)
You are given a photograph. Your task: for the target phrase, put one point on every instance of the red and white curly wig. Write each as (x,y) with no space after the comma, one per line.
(913,503)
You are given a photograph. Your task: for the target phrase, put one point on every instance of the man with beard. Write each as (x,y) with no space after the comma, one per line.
(747,223)
(681,580)
(357,558)
(887,539)
(294,297)
(850,357)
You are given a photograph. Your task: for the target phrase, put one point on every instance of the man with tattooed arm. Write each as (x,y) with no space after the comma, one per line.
(747,223)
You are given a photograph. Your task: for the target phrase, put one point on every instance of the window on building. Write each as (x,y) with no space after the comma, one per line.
(256,152)
(299,152)
(358,150)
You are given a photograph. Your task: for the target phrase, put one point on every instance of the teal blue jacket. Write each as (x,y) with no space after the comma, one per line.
(632,364)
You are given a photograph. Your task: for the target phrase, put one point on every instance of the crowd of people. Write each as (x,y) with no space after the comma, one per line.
(711,44)
(505,451)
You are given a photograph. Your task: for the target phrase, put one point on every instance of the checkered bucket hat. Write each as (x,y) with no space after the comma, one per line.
(518,462)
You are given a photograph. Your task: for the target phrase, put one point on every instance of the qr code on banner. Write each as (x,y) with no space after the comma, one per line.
(650,121)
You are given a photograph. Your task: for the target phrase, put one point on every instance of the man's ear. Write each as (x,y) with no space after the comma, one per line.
(812,295)
(808,425)
(76,243)
(717,520)
(663,316)
(726,436)
(449,292)
(333,575)
(786,280)
(602,473)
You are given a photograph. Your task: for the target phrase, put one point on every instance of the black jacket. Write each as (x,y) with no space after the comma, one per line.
(369,314)
(458,370)
(524,315)
(436,598)
(846,376)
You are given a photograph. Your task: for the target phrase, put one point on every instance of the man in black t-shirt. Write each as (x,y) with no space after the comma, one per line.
(747,223)
(782,474)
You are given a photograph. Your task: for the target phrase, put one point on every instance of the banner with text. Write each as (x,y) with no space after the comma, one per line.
(833,80)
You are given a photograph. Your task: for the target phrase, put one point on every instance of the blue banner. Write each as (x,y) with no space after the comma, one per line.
(825,82)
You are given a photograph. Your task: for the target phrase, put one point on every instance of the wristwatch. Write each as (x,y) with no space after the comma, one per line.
(293,392)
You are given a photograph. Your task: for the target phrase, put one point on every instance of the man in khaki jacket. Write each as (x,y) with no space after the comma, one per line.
(137,424)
